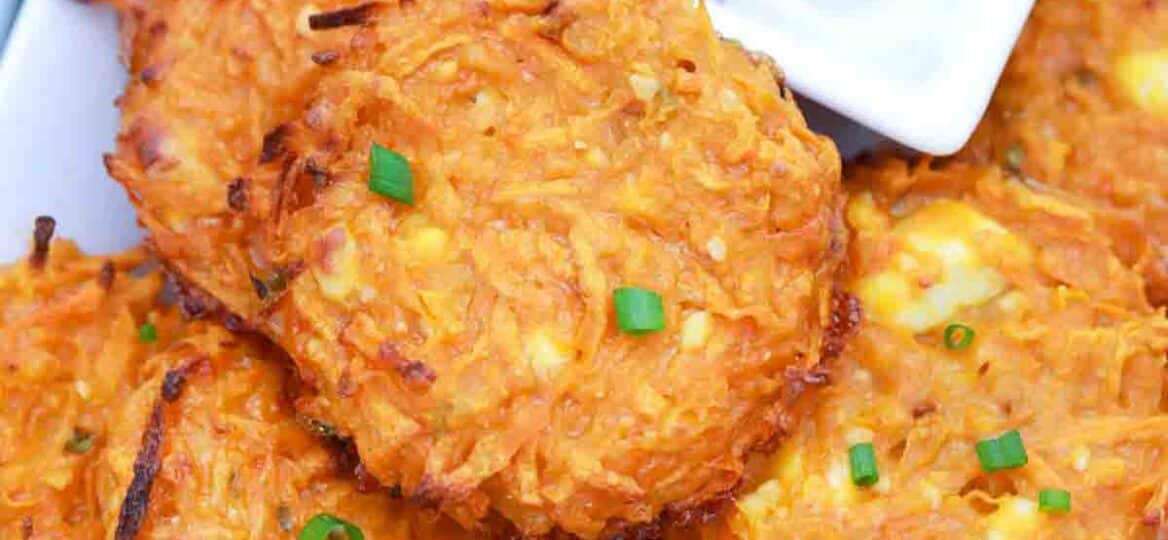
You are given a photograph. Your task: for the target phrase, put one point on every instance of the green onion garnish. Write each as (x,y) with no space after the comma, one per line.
(80,442)
(1005,452)
(1054,501)
(638,311)
(390,174)
(1013,449)
(958,336)
(989,454)
(863,460)
(147,333)
(329,527)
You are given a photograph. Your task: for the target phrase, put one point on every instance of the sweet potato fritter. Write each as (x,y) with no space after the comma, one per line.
(467,341)
(188,436)
(1083,107)
(69,344)
(209,82)
(230,459)
(1066,350)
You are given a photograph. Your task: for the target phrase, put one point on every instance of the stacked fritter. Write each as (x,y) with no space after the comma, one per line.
(122,421)
(1004,291)
(554,261)
(559,268)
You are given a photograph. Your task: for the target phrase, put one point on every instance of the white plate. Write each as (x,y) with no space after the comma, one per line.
(59,77)
(919,71)
(7,11)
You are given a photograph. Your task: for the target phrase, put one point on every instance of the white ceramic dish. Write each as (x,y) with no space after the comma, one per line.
(59,76)
(7,11)
(918,71)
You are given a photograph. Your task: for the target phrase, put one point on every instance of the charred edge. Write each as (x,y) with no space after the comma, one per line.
(674,517)
(343,456)
(284,190)
(555,20)
(414,373)
(846,315)
(428,494)
(324,58)
(235,323)
(26,528)
(367,483)
(345,385)
(105,276)
(320,176)
(152,73)
(172,384)
(277,283)
(700,514)
(342,17)
(137,500)
(640,531)
(799,380)
(193,303)
(923,409)
(417,374)
(261,288)
(42,237)
(237,194)
(274,143)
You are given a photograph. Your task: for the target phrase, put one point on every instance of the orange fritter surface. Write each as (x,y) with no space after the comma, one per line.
(84,400)
(1083,107)
(467,342)
(1066,350)
(231,459)
(209,80)
(69,349)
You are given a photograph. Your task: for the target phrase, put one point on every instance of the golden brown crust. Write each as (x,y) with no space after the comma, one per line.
(190,436)
(221,454)
(209,81)
(467,342)
(70,349)
(1069,352)
(1064,115)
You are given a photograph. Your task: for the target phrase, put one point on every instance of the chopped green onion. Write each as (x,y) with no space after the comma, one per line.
(1013,449)
(863,461)
(638,311)
(147,333)
(989,454)
(1014,157)
(1005,452)
(80,442)
(390,174)
(1054,501)
(329,527)
(958,336)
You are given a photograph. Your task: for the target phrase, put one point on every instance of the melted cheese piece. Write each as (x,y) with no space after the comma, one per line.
(1144,75)
(941,261)
(546,354)
(1015,517)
